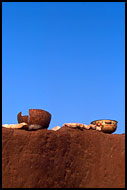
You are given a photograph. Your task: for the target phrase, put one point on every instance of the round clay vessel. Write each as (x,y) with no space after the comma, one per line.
(36,116)
(107,125)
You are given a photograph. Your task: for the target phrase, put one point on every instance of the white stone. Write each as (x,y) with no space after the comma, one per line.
(56,128)
(86,126)
(92,126)
(75,125)
(15,126)
(98,128)
(34,127)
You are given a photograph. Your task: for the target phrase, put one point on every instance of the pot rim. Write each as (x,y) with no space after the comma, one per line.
(39,110)
(105,120)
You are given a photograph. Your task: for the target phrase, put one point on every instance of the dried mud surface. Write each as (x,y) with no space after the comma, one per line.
(67,158)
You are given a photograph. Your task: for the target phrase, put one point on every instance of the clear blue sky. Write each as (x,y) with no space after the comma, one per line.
(66,58)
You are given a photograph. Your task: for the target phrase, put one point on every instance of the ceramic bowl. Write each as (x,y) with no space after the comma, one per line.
(107,125)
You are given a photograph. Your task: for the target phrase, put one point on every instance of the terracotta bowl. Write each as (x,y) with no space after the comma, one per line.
(107,125)
(36,116)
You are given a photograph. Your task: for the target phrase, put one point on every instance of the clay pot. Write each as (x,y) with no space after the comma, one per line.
(107,126)
(36,116)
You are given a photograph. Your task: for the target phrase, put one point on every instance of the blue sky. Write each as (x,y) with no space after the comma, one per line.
(66,58)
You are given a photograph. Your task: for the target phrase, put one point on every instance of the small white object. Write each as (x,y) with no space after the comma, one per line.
(98,128)
(15,126)
(71,125)
(86,126)
(56,128)
(92,126)
(34,127)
